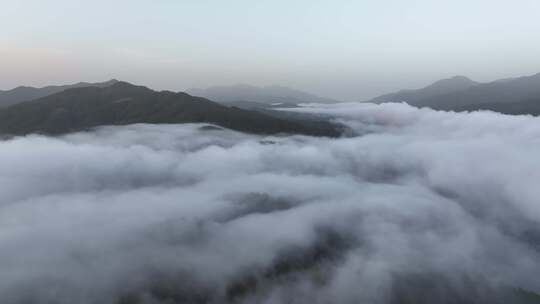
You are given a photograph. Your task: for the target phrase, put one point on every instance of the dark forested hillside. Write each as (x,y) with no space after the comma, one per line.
(524,107)
(498,92)
(122,103)
(509,96)
(438,88)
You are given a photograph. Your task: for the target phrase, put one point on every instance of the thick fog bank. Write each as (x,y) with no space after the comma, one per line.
(419,207)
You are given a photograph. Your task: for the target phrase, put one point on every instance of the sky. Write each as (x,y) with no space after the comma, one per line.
(350,50)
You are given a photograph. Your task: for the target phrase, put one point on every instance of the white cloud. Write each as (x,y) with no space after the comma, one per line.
(172,211)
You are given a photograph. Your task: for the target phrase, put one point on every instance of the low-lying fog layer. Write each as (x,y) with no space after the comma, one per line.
(419,207)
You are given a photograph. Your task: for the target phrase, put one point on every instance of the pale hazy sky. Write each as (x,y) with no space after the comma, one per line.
(344,49)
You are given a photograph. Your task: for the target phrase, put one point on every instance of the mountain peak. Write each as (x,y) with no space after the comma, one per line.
(510,95)
(458,80)
(26,93)
(107,83)
(461,77)
(440,87)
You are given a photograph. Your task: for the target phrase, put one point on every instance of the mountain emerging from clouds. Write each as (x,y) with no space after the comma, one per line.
(509,96)
(248,95)
(444,86)
(122,103)
(24,93)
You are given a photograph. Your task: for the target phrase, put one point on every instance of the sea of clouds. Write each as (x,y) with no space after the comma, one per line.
(415,206)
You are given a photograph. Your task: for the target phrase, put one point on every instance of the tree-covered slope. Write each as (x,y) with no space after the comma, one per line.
(122,103)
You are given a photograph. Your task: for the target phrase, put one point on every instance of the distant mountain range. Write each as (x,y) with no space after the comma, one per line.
(80,106)
(510,96)
(121,103)
(23,93)
(253,97)
(444,86)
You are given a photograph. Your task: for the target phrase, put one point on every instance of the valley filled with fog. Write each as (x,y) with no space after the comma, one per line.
(412,205)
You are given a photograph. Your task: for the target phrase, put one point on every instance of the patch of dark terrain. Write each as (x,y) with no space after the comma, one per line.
(289,265)
(210,128)
(314,121)
(314,263)
(255,203)
(267,142)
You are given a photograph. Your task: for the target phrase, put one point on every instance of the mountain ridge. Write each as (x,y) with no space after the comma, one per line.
(443,86)
(498,96)
(122,103)
(261,94)
(27,93)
